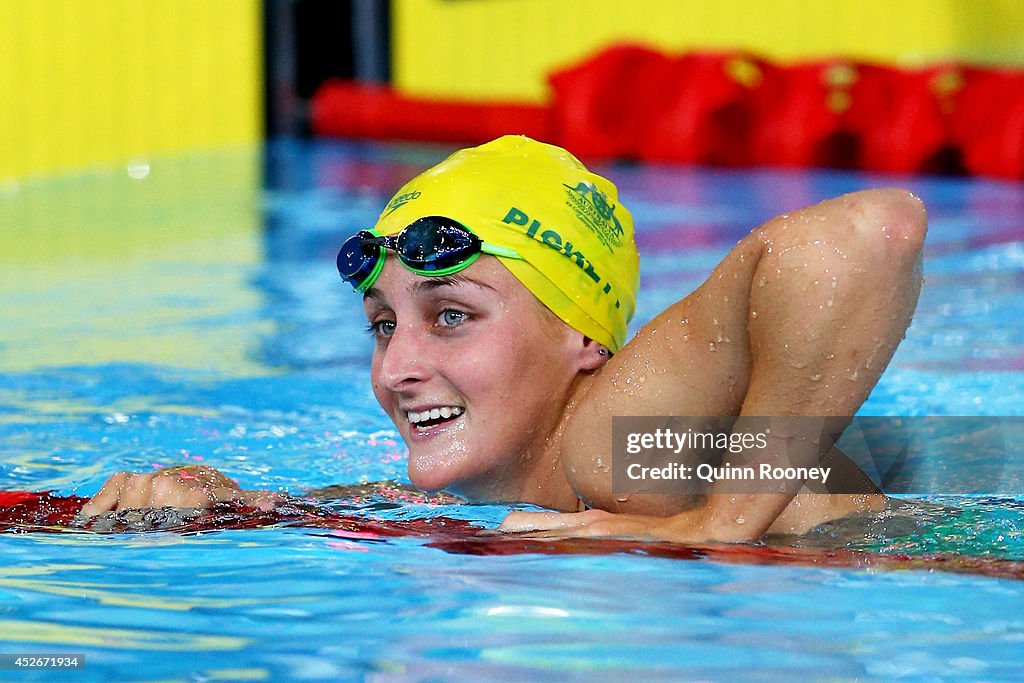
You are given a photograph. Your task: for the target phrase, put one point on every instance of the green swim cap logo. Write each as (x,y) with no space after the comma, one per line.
(594,211)
(400,201)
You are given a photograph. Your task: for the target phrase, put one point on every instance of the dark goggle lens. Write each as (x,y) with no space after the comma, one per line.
(435,243)
(356,259)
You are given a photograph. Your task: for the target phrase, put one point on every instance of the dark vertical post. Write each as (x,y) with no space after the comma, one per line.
(279,68)
(371,40)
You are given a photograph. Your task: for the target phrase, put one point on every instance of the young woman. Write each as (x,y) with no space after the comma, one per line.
(498,286)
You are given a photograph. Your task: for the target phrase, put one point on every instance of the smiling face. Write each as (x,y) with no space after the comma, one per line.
(476,375)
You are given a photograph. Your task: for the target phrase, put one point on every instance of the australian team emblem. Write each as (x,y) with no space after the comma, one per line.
(594,210)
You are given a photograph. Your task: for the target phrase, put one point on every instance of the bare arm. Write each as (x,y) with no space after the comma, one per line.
(199,487)
(801,318)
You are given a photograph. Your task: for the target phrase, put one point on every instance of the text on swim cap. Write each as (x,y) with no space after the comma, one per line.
(552,239)
(400,201)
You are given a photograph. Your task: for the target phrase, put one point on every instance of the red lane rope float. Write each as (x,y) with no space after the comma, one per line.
(602,108)
(24,512)
(13,497)
(347,109)
(841,114)
(738,554)
(712,116)
(988,123)
(634,102)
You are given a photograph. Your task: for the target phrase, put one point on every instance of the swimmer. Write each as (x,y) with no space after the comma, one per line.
(498,286)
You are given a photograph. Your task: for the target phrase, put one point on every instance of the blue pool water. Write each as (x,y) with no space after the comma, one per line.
(188,310)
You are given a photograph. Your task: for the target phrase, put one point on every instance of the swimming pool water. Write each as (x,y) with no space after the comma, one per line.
(189,311)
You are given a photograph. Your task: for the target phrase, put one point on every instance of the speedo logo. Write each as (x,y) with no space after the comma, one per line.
(400,201)
(554,240)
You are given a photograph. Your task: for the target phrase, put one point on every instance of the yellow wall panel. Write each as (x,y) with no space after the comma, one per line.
(85,83)
(504,49)
(93,263)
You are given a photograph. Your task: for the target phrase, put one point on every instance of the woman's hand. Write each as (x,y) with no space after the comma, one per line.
(600,523)
(184,486)
(715,521)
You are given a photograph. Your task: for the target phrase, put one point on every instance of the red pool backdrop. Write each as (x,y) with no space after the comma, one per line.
(735,109)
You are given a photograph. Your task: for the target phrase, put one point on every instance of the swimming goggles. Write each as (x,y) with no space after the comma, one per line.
(433,245)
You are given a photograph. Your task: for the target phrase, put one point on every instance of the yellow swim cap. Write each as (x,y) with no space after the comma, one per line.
(576,240)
